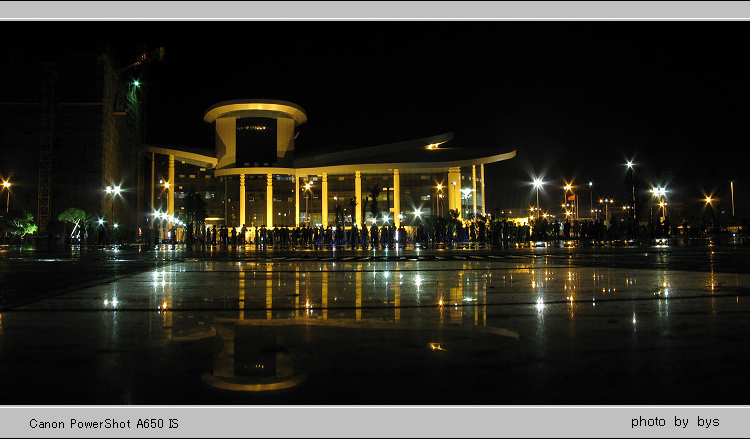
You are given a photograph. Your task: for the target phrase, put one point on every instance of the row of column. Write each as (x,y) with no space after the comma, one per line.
(454,193)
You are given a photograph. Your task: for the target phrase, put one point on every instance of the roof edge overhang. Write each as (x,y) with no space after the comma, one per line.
(193,158)
(365,167)
(226,107)
(407,166)
(319,160)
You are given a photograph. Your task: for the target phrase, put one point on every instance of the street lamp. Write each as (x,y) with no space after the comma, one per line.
(574,210)
(466,193)
(112,191)
(439,196)
(6,185)
(537,184)
(606,202)
(307,198)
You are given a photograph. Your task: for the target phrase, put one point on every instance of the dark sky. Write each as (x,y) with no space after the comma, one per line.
(575,99)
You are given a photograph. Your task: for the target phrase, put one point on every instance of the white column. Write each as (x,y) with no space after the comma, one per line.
(153,175)
(296,199)
(484,200)
(269,200)
(474,188)
(170,191)
(358,194)
(396,198)
(454,189)
(242,200)
(324,201)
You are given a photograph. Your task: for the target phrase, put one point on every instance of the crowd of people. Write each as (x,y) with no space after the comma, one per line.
(482,231)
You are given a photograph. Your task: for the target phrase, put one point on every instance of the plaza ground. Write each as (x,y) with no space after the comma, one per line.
(638,325)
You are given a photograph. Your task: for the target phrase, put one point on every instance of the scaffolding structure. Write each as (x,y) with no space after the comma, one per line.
(45,146)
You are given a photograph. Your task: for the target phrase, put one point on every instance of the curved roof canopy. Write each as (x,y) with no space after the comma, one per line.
(428,153)
(257,108)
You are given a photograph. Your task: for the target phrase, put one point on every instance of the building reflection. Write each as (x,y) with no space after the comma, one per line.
(262,353)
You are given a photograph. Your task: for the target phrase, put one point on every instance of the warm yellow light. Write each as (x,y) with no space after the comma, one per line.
(708,200)
(568,187)
(440,187)
(6,184)
(166,185)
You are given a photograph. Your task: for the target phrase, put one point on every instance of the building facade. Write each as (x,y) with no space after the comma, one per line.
(253,178)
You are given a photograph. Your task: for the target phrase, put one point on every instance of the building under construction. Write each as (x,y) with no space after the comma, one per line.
(70,126)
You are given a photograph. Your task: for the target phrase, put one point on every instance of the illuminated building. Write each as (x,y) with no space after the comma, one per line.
(253,178)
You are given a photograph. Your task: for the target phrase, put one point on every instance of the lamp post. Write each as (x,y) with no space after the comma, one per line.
(307,198)
(591,196)
(466,193)
(709,202)
(438,197)
(606,202)
(731,187)
(573,210)
(631,210)
(6,185)
(537,184)
(112,191)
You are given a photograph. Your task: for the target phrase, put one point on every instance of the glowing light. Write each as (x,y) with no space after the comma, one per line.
(539,304)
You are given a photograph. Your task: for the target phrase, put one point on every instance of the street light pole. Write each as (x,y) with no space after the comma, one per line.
(112,191)
(6,185)
(537,184)
(440,190)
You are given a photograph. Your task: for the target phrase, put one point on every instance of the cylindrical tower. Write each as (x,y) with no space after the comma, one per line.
(255,132)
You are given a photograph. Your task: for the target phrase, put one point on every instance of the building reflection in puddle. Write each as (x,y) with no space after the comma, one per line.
(436,300)
(261,347)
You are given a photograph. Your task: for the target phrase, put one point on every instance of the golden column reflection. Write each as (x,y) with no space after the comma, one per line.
(269,296)
(324,292)
(476,302)
(168,294)
(456,312)
(241,301)
(397,297)
(358,303)
(297,292)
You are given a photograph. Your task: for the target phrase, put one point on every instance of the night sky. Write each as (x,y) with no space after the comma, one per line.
(575,99)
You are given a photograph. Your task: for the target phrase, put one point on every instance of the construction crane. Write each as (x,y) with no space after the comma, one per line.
(145,58)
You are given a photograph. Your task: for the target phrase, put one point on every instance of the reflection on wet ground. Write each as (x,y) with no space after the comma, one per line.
(432,328)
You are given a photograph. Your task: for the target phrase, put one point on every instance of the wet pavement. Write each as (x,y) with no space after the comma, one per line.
(621,325)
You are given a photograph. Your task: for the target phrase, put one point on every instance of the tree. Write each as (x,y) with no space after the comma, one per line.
(18,223)
(352,206)
(374,194)
(79,218)
(195,208)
